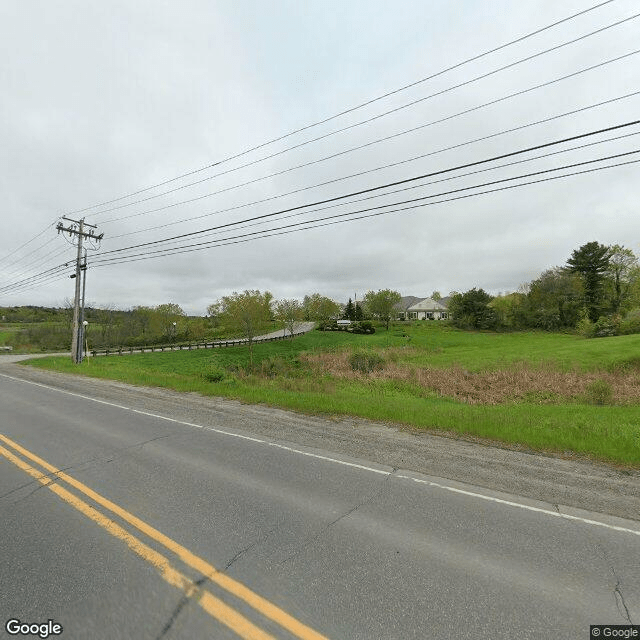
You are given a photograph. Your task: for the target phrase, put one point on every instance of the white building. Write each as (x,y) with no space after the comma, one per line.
(422,309)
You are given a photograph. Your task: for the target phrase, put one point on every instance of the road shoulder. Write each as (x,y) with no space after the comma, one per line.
(556,481)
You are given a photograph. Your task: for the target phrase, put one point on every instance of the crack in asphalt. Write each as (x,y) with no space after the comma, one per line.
(240,553)
(621,604)
(326,527)
(91,462)
(183,602)
(50,476)
(116,452)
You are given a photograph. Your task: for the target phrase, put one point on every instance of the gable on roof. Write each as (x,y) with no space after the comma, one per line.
(427,304)
(406,302)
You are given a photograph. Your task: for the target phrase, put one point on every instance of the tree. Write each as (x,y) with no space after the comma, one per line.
(168,315)
(554,300)
(349,311)
(509,310)
(620,275)
(380,304)
(288,312)
(247,313)
(471,310)
(320,308)
(436,295)
(633,296)
(591,262)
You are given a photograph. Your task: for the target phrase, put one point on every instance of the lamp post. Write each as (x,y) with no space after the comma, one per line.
(85,324)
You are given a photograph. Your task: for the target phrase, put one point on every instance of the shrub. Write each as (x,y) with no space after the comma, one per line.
(598,392)
(631,323)
(366,362)
(273,367)
(328,325)
(606,326)
(365,327)
(215,374)
(585,328)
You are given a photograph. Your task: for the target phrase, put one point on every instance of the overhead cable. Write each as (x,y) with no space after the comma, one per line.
(392,184)
(170,251)
(348,110)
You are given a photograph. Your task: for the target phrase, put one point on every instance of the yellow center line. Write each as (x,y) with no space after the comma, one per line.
(260,604)
(212,605)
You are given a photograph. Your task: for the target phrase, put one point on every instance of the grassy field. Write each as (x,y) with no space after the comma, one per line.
(8,333)
(546,392)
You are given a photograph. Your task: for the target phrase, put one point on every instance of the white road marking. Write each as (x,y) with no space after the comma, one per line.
(430,483)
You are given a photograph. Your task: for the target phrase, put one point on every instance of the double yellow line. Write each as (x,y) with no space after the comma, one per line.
(215,607)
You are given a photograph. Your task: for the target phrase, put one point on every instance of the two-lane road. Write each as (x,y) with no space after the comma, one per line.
(122,523)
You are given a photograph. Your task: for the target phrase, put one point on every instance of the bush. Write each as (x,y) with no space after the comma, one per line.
(365,327)
(273,367)
(329,325)
(215,374)
(586,328)
(631,323)
(366,362)
(606,326)
(598,392)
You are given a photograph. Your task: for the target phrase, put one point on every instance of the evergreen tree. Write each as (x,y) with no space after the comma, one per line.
(349,311)
(591,262)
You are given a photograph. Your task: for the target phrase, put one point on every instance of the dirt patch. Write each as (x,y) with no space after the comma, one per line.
(542,384)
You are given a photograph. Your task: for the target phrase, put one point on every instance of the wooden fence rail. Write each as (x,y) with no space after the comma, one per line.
(189,346)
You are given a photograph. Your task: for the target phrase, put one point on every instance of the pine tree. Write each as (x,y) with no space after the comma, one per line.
(591,261)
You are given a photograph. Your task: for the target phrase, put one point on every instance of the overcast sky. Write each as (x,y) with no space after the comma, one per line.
(103,100)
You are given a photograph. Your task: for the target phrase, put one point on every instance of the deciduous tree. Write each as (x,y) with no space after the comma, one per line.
(380,304)
(555,300)
(620,275)
(247,313)
(288,312)
(320,308)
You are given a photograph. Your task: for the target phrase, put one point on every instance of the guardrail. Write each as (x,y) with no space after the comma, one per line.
(217,344)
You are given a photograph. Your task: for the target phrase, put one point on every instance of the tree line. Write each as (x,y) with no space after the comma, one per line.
(596,292)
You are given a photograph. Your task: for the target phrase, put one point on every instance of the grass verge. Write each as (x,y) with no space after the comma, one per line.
(545,392)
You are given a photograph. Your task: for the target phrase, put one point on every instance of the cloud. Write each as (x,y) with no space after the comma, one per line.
(105,100)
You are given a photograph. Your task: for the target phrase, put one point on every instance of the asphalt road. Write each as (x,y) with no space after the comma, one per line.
(133,513)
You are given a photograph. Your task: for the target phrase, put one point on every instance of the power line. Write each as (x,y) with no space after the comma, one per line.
(211,243)
(318,223)
(24,244)
(432,182)
(350,109)
(26,255)
(354,175)
(390,184)
(38,263)
(266,234)
(38,276)
(384,138)
(373,118)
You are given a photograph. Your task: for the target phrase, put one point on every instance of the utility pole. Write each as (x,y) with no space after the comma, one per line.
(77,228)
(81,324)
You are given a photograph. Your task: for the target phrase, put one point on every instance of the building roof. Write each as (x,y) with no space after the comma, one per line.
(406,302)
(427,304)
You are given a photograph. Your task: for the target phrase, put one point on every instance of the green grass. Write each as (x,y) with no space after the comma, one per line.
(281,378)
(9,333)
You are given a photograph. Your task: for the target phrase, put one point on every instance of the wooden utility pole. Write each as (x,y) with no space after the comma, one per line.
(77,228)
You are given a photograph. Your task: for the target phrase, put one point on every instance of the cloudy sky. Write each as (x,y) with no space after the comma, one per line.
(152,120)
